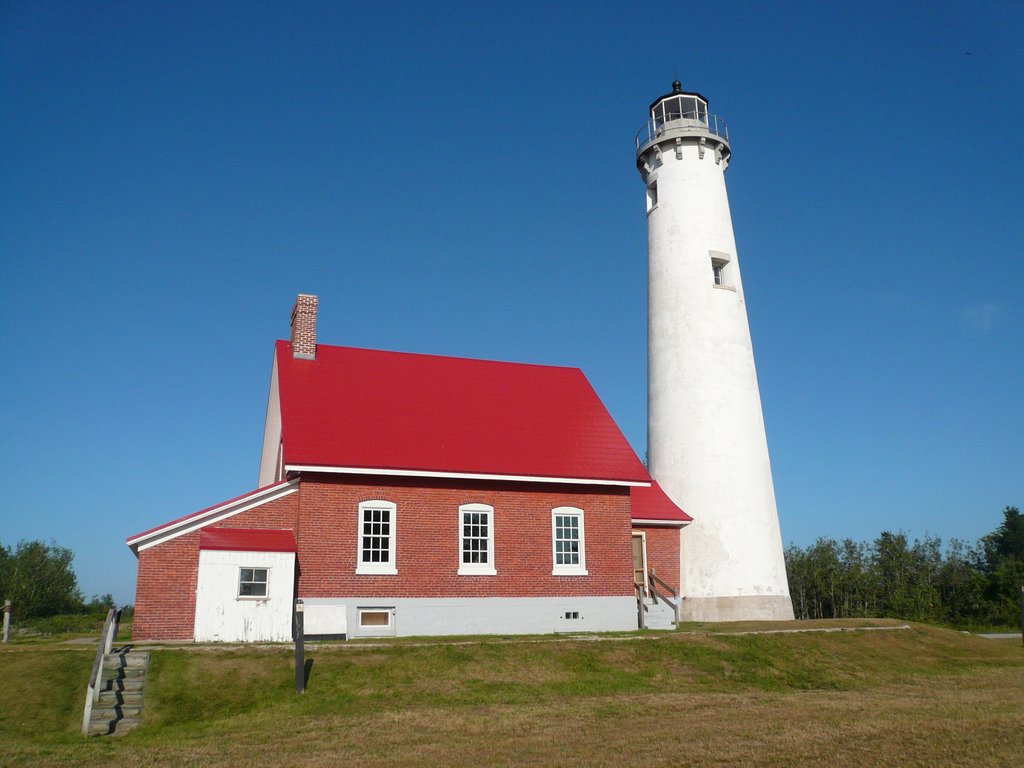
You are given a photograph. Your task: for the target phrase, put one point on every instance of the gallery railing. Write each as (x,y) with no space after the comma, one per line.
(688,122)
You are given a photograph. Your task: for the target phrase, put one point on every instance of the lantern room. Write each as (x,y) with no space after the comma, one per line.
(679,106)
(682,117)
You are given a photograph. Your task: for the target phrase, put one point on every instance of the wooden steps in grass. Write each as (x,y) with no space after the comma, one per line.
(122,690)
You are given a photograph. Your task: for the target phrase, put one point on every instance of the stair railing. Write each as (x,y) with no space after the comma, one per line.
(640,606)
(92,694)
(654,581)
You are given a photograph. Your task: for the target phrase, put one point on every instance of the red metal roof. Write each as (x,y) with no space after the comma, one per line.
(653,503)
(247,539)
(370,409)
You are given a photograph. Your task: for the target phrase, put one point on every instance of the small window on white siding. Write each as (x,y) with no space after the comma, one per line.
(375,618)
(476,540)
(377,520)
(252,582)
(568,542)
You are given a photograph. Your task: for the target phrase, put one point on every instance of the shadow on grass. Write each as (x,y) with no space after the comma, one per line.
(306,672)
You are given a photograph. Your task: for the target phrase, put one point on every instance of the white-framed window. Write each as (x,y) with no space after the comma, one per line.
(568,542)
(376,618)
(376,539)
(476,540)
(253,582)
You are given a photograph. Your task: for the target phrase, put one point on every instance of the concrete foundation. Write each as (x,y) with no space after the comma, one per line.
(737,608)
(487,615)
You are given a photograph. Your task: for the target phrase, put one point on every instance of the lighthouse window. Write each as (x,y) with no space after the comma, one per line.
(720,269)
(652,196)
(681,108)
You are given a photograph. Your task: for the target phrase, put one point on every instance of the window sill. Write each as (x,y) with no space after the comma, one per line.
(390,571)
(469,571)
(726,287)
(253,598)
(570,572)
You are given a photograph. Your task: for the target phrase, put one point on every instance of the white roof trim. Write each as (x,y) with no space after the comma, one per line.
(211,516)
(459,475)
(665,523)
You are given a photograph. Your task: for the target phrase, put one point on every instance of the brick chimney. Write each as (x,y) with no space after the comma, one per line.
(304,327)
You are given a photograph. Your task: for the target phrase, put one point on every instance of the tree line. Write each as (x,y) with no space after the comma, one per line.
(960,585)
(39,581)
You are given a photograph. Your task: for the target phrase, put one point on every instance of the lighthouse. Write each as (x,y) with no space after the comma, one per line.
(706,442)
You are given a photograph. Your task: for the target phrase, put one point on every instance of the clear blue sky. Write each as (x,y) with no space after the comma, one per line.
(459,179)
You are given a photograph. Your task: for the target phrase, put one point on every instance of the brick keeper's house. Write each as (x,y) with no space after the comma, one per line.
(407,494)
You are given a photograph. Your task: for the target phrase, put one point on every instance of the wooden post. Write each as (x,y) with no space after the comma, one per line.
(110,632)
(7,621)
(300,651)
(640,607)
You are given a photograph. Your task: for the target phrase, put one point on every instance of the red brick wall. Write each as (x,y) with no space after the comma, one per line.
(165,591)
(663,552)
(427,548)
(324,514)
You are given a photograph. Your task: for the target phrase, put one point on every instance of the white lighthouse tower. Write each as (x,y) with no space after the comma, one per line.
(706,442)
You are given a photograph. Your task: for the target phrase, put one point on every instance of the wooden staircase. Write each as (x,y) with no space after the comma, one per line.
(117,684)
(121,688)
(657,606)
(658,615)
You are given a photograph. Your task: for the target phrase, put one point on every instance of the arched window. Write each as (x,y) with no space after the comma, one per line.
(376,538)
(476,540)
(568,542)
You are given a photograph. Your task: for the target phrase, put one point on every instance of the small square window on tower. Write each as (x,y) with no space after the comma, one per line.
(652,196)
(720,271)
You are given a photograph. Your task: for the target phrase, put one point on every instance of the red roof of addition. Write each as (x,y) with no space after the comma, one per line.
(370,409)
(217,511)
(652,503)
(247,539)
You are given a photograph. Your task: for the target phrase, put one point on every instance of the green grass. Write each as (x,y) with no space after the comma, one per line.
(700,694)
(66,625)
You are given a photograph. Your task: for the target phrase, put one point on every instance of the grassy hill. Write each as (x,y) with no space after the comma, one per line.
(917,696)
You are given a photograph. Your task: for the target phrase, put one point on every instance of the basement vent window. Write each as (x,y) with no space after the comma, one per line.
(252,582)
(375,618)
